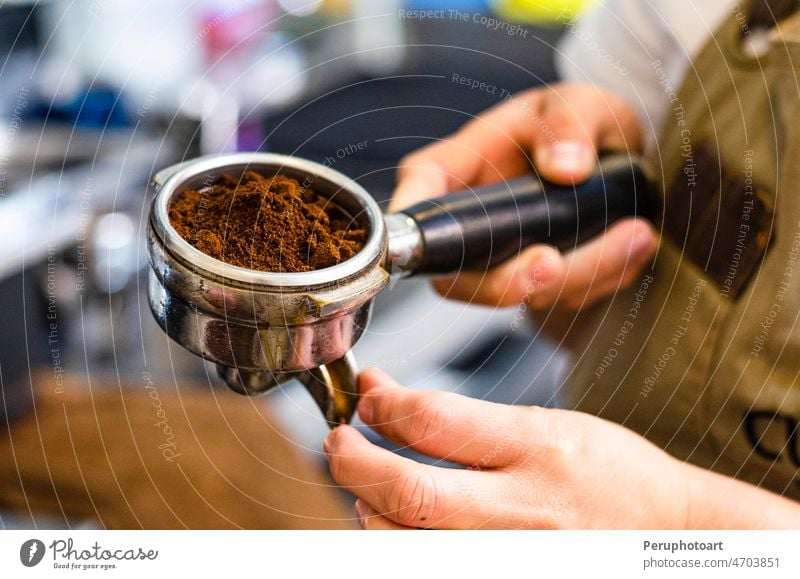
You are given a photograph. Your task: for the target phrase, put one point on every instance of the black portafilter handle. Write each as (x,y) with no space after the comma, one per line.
(478,228)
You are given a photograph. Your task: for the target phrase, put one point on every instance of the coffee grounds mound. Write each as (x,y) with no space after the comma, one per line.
(265,223)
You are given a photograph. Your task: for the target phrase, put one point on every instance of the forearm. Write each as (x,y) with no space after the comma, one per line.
(721,502)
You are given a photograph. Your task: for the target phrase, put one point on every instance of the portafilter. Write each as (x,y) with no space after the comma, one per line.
(262,329)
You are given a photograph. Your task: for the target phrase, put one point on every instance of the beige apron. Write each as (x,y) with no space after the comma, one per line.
(702,355)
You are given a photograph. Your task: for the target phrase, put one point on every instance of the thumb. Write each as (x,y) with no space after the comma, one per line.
(566,161)
(578,123)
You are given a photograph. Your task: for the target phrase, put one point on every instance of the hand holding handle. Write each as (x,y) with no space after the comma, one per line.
(481,227)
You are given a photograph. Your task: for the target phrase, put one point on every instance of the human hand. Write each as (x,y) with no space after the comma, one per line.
(560,129)
(529,467)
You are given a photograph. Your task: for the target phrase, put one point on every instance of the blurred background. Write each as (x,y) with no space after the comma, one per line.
(98,95)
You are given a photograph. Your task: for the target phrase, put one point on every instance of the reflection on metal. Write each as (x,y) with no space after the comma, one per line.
(265,328)
(333,386)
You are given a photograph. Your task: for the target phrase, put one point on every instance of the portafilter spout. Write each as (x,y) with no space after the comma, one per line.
(265,328)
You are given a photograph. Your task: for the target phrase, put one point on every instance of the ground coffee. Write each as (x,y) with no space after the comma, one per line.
(265,223)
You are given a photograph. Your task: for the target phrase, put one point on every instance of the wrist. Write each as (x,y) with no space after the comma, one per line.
(716,501)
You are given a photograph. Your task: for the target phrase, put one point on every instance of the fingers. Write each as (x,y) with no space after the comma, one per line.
(406,492)
(472,432)
(433,171)
(489,148)
(576,123)
(481,152)
(563,127)
(371,520)
(607,264)
(541,277)
(535,272)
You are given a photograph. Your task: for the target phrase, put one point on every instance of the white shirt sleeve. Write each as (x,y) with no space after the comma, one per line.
(639,49)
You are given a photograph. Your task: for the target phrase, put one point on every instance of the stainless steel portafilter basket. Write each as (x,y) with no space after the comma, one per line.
(264,328)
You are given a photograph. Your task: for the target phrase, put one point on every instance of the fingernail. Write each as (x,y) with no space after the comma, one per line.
(541,267)
(569,156)
(642,244)
(361,512)
(366,409)
(544,277)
